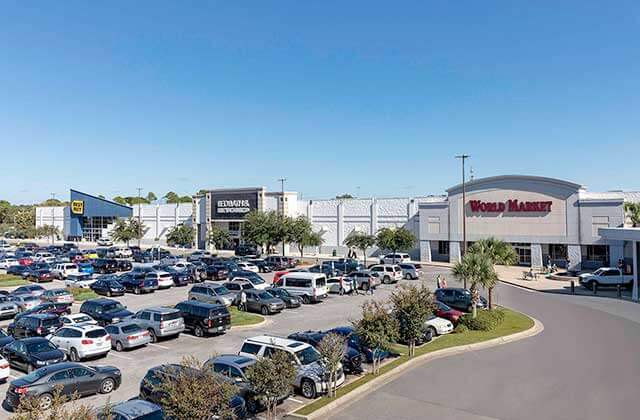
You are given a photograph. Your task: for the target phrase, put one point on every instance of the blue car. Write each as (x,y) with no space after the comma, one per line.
(85,268)
(354,341)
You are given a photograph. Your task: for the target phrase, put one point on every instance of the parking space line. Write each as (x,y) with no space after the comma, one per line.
(119,356)
(294,400)
(193,337)
(158,345)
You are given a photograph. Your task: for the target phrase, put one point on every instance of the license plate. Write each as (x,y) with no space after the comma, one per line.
(220,328)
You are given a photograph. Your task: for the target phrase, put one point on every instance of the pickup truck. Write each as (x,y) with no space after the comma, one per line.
(606,276)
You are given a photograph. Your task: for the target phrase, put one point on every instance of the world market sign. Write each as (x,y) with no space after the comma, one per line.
(510,206)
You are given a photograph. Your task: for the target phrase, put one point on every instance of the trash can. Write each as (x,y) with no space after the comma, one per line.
(334,253)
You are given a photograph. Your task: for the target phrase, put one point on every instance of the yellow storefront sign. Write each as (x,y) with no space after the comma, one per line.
(77,207)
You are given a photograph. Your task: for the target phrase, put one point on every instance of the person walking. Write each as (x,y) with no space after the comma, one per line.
(354,286)
(243,301)
(438,282)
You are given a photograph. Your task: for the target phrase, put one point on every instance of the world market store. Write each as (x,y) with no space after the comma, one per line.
(545,220)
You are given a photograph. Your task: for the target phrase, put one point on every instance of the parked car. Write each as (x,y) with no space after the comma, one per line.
(89,254)
(444,311)
(263,266)
(75,319)
(353,340)
(17,270)
(108,286)
(164,279)
(73,378)
(127,335)
(105,265)
(24,302)
(29,354)
(411,271)
(179,277)
(123,265)
(82,341)
(122,252)
(606,276)
(236,286)
(104,242)
(57,296)
(217,271)
(279,262)
(211,293)
(435,326)
(39,275)
(79,280)
(160,322)
(134,409)
(311,375)
(47,308)
(204,318)
(246,250)
(30,289)
(388,273)
(253,278)
(85,267)
(310,287)
(458,298)
(34,325)
(5,338)
(263,302)
(396,258)
(7,262)
(289,300)
(247,266)
(352,359)
(138,282)
(105,311)
(197,255)
(339,285)
(340,266)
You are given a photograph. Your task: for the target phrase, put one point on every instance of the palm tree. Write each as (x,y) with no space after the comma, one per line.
(477,269)
(499,252)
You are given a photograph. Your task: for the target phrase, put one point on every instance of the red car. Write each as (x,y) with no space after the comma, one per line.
(277,275)
(25,261)
(448,313)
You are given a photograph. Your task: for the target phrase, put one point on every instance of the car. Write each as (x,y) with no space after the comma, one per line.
(289,300)
(279,262)
(164,279)
(411,271)
(8,308)
(250,276)
(134,409)
(197,255)
(79,280)
(122,252)
(160,322)
(150,392)
(104,242)
(310,287)
(39,275)
(25,302)
(137,282)
(396,258)
(247,266)
(353,340)
(311,376)
(235,368)
(30,289)
(217,271)
(211,293)
(105,311)
(47,308)
(5,370)
(339,285)
(123,265)
(263,266)
(42,256)
(34,325)
(435,326)
(388,273)
(72,378)
(105,265)
(85,267)
(606,276)
(179,277)
(458,298)
(352,359)
(75,319)
(81,341)
(204,318)
(29,354)
(127,335)
(17,270)
(444,311)
(340,266)
(89,254)
(5,338)
(57,296)
(108,286)
(263,302)
(198,271)
(7,262)
(246,250)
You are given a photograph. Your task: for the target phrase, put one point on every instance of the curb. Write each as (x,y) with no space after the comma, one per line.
(251,326)
(356,394)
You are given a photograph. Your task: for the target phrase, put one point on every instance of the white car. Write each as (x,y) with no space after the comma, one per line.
(122,252)
(339,285)
(63,270)
(165,280)
(81,280)
(4,369)
(396,258)
(5,246)
(77,319)
(606,276)
(81,341)
(180,265)
(387,273)
(438,326)
(44,257)
(247,266)
(8,262)
(104,242)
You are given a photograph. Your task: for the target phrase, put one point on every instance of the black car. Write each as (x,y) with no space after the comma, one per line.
(352,359)
(217,271)
(71,378)
(36,325)
(353,340)
(180,278)
(247,250)
(204,318)
(105,311)
(17,270)
(155,375)
(136,282)
(289,300)
(458,298)
(108,285)
(105,265)
(262,265)
(134,409)
(123,265)
(5,338)
(33,353)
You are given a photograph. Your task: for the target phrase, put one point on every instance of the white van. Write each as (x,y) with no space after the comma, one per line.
(62,270)
(395,258)
(311,287)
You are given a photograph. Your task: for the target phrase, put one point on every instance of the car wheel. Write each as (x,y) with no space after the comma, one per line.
(73,355)
(136,290)
(264,310)
(45,401)
(408,276)
(198,331)
(193,298)
(365,286)
(428,336)
(107,386)
(306,299)
(308,389)
(386,280)
(152,334)
(119,346)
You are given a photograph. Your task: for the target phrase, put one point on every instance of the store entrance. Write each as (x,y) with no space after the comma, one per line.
(524,253)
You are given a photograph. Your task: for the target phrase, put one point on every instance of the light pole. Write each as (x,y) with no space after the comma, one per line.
(53,217)
(139,215)
(463,251)
(282,180)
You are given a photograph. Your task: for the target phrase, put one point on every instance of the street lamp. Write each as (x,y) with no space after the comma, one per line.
(282,180)
(53,217)
(463,158)
(139,215)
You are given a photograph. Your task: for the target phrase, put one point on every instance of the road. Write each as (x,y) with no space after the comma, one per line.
(584,365)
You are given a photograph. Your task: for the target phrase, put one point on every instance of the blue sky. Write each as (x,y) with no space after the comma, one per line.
(332,95)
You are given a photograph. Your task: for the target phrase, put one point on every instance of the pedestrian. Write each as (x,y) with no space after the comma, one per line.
(371,289)
(443,282)
(438,282)
(243,301)
(354,286)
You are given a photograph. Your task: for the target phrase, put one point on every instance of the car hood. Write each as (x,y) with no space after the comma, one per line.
(48,355)
(107,369)
(122,314)
(274,301)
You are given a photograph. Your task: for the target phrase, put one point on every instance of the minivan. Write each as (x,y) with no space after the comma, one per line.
(311,287)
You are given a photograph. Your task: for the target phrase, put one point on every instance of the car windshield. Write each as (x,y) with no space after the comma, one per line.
(82,318)
(308,355)
(265,295)
(131,328)
(598,271)
(40,346)
(221,290)
(110,307)
(256,280)
(281,292)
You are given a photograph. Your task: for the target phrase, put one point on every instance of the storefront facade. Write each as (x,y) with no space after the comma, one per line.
(545,220)
(91,216)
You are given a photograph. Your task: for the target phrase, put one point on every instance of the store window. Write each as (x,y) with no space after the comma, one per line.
(599,253)
(558,252)
(234,226)
(443,247)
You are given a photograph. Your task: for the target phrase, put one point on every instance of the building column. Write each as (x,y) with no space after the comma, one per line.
(454,251)
(425,251)
(634,293)
(574,253)
(616,252)
(536,256)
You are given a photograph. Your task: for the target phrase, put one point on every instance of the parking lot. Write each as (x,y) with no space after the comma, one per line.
(332,312)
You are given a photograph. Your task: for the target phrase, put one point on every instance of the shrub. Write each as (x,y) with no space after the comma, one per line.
(484,321)
(461,329)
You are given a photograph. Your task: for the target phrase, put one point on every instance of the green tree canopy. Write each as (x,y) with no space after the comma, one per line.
(172,197)
(499,252)
(271,378)
(395,239)
(360,240)
(477,269)
(300,232)
(218,237)
(125,230)
(151,197)
(412,307)
(182,235)
(265,228)
(377,329)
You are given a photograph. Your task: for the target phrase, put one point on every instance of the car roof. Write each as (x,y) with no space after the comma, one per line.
(241,361)
(42,316)
(31,340)
(135,407)
(303,274)
(205,305)
(278,341)
(85,327)
(160,309)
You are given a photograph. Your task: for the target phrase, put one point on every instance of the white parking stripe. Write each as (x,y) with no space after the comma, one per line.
(294,400)
(158,345)
(119,356)
(192,337)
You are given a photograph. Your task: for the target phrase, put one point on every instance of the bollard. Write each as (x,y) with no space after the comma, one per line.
(619,290)
(573,287)
(595,287)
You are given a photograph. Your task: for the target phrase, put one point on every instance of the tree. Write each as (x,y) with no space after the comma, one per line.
(151,197)
(377,329)
(362,241)
(412,307)
(499,252)
(132,201)
(120,200)
(48,231)
(172,197)
(332,347)
(185,199)
(300,231)
(52,202)
(632,211)
(344,197)
(271,379)
(5,211)
(181,235)
(477,269)
(395,239)
(124,230)
(217,237)
(264,228)
(194,391)
(101,196)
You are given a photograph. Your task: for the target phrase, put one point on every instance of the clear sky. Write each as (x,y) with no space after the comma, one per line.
(362,97)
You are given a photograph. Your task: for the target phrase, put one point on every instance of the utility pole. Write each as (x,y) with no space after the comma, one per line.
(463,251)
(139,215)
(282,180)
(53,217)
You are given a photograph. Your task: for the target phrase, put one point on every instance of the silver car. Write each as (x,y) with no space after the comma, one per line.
(160,322)
(8,308)
(411,271)
(25,302)
(127,335)
(211,293)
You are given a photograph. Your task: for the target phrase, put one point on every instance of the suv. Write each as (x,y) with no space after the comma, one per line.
(247,250)
(411,271)
(105,266)
(351,360)
(36,325)
(388,273)
(263,302)
(164,279)
(280,263)
(211,293)
(82,341)
(311,375)
(204,318)
(458,298)
(311,287)
(160,322)
(105,311)
(396,258)
(137,282)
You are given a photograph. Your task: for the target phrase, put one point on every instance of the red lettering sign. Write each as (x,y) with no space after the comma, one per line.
(511,206)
